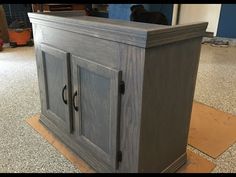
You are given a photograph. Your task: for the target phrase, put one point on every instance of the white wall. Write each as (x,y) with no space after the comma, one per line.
(174,16)
(201,12)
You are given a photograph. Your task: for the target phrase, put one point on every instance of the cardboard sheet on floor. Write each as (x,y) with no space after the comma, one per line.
(195,163)
(72,157)
(211,131)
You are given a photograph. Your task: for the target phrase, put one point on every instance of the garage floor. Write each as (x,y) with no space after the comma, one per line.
(216,87)
(23,150)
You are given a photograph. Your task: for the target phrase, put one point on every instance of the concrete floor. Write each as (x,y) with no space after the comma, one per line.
(216,87)
(21,148)
(27,151)
(216,79)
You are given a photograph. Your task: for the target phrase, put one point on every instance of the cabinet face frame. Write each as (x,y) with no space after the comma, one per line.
(63,123)
(114,77)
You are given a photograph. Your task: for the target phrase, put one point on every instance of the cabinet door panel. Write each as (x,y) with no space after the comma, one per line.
(96,121)
(95,103)
(56,104)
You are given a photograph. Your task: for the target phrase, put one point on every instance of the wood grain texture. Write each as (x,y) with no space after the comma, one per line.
(94,108)
(194,164)
(69,140)
(38,54)
(97,50)
(53,70)
(169,81)
(95,122)
(149,123)
(176,164)
(132,66)
(132,33)
(55,67)
(61,147)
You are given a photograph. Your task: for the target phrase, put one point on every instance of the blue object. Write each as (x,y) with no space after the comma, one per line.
(119,11)
(227,25)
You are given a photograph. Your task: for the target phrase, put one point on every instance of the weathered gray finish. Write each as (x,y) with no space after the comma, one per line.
(133,33)
(98,50)
(132,65)
(69,141)
(55,66)
(95,122)
(149,123)
(167,102)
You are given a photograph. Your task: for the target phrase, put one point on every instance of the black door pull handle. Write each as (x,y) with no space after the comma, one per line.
(63,90)
(75,107)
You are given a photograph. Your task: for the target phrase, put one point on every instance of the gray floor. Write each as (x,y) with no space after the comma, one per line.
(216,79)
(21,148)
(216,87)
(24,150)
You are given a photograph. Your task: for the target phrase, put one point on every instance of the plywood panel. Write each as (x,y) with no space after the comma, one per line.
(72,157)
(211,131)
(196,164)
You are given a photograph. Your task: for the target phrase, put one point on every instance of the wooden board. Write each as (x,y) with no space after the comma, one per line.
(211,131)
(195,163)
(72,157)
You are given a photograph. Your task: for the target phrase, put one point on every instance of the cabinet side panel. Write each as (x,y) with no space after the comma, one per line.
(169,82)
(132,63)
(37,34)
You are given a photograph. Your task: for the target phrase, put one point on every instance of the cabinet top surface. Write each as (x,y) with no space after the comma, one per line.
(134,33)
(80,18)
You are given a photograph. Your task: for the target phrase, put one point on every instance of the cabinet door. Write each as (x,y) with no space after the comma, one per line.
(56,94)
(96,102)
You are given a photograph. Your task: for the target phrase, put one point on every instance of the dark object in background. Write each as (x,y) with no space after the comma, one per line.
(140,14)
(17,24)
(1,44)
(89,11)
(100,11)
(216,42)
(18,12)
(19,30)
(3,25)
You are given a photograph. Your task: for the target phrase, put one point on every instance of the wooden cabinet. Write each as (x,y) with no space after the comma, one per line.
(118,93)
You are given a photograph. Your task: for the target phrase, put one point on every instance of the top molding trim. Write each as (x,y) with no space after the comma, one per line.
(133,33)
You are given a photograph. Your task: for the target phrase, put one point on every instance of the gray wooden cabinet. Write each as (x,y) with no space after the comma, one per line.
(117,93)
(56,89)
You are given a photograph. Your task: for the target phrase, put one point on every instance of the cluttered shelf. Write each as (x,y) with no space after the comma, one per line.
(57,7)
(15,27)
(98,10)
